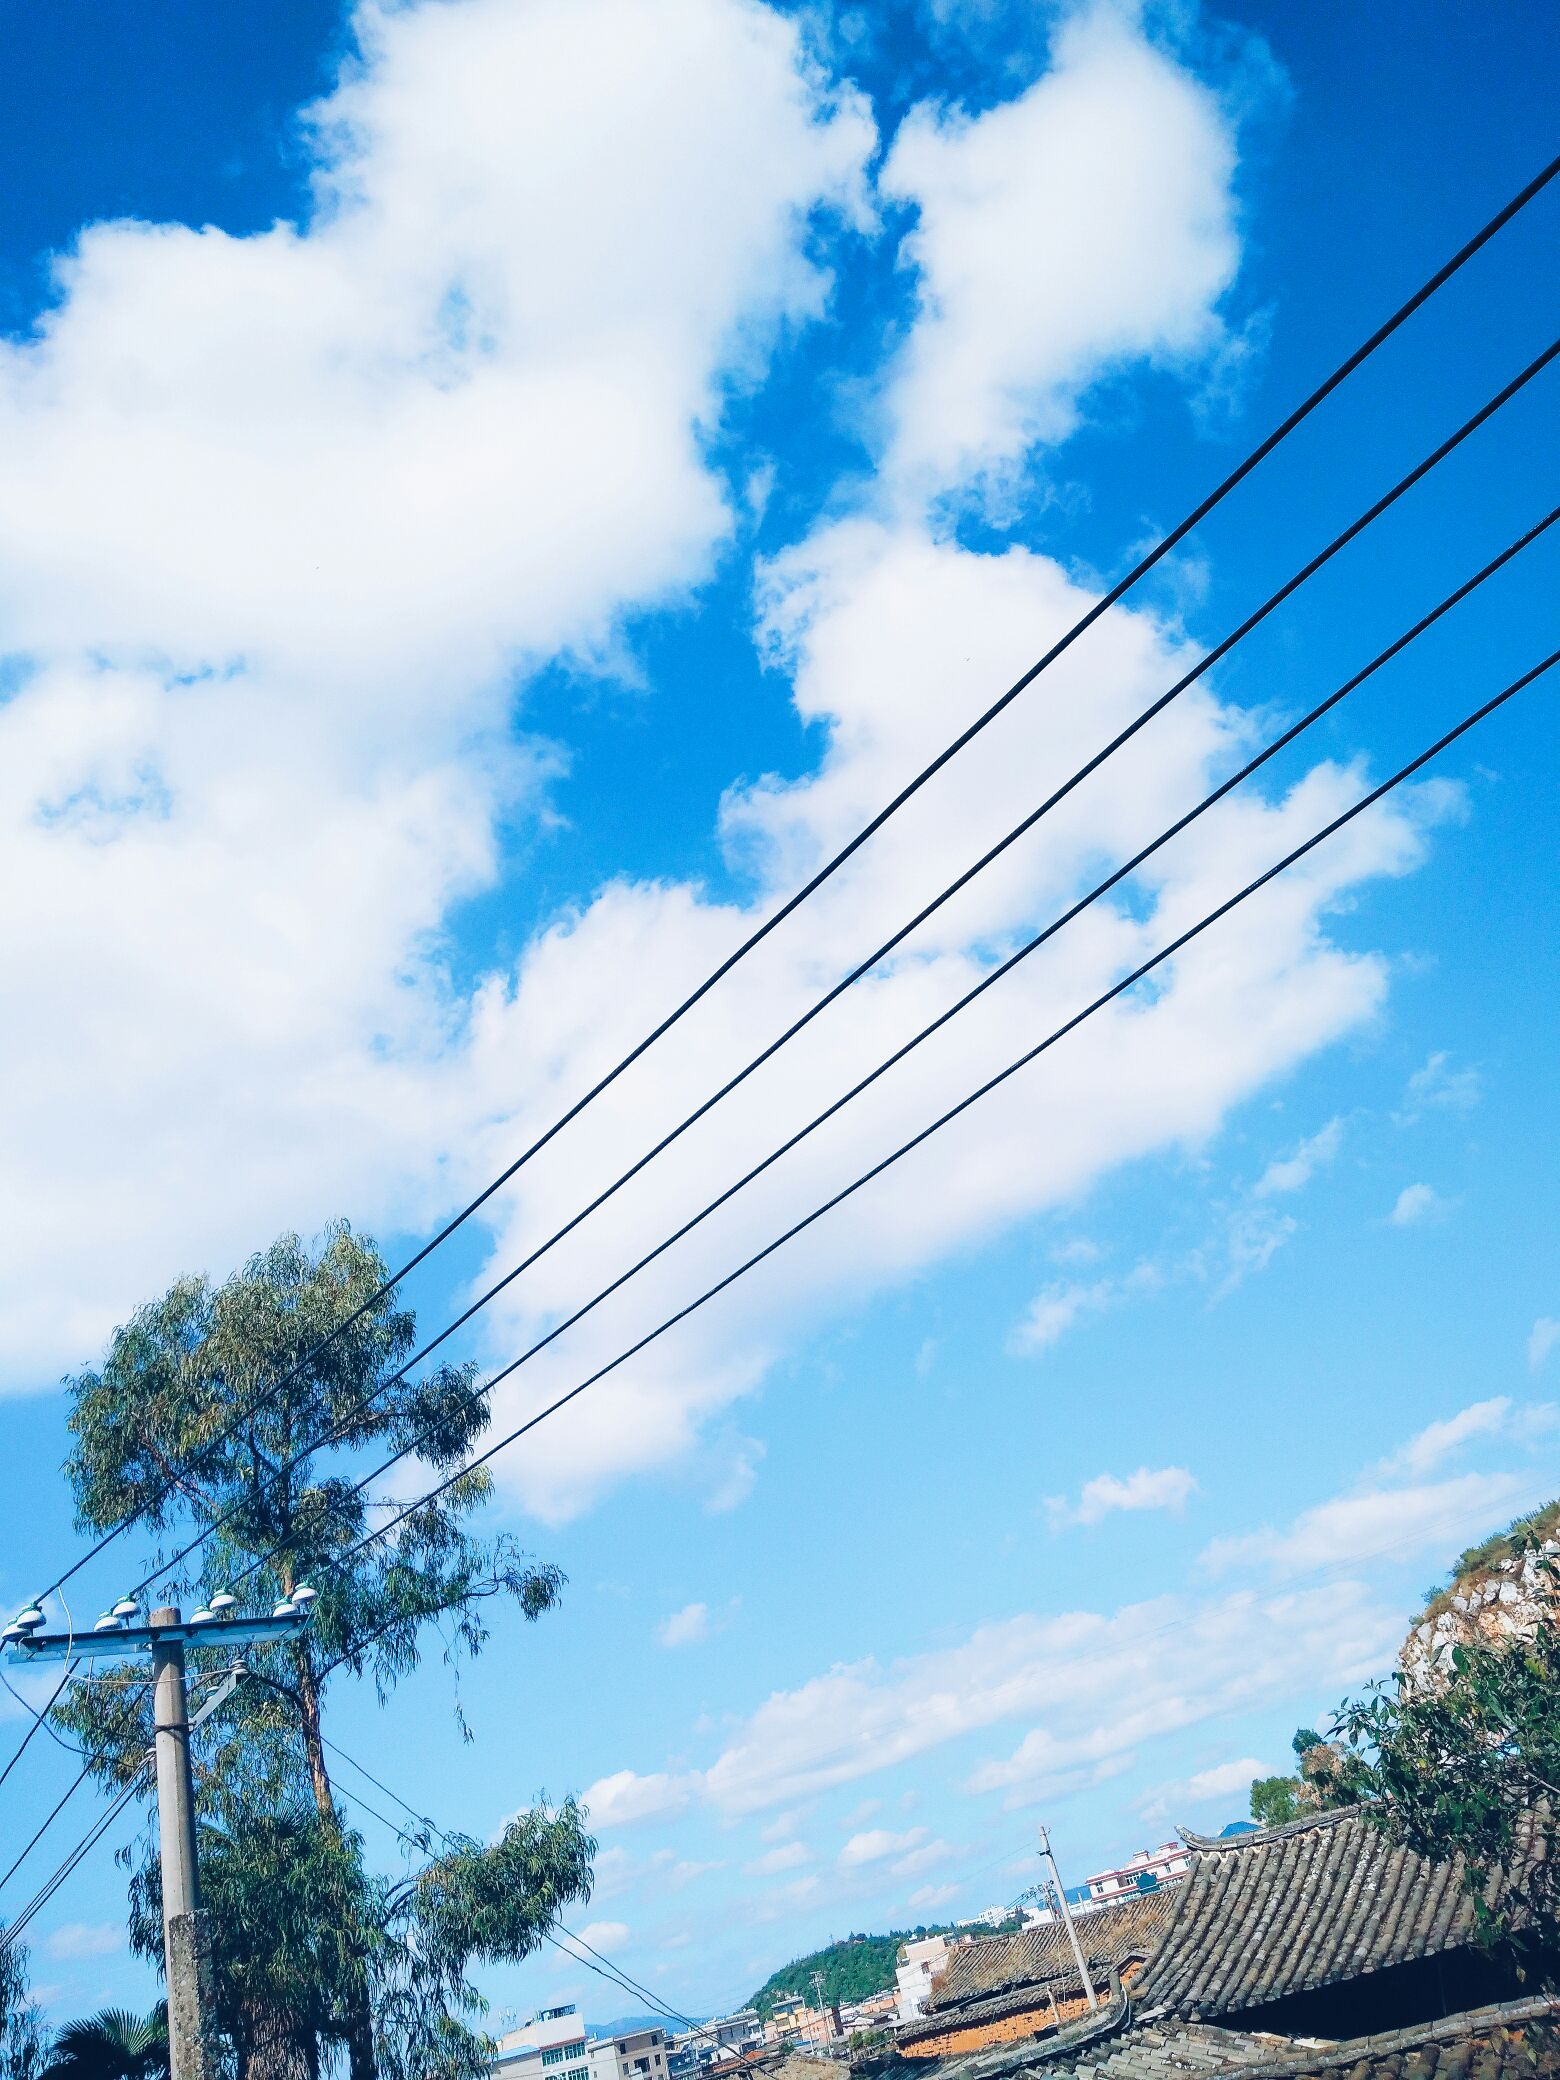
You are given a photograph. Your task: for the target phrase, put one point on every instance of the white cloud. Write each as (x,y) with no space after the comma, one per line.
(1178,1661)
(1083,224)
(685,1870)
(1542,1338)
(1415,1203)
(1292,1172)
(926,1899)
(625,1797)
(1252,1239)
(1213,1786)
(605,1935)
(84,1939)
(1151,1487)
(875,1843)
(1439,1084)
(789,1856)
(454,425)
(925,1858)
(1437,1441)
(685,1628)
(1052,1313)
(282,517)
(1247,1002)
(1375,1522)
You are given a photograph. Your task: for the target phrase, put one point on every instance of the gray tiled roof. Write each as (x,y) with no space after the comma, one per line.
(1110,1935)
(1264,1915)
(1517,2040)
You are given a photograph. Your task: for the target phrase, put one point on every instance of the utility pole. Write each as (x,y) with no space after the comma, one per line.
(824,2031)
(186,1953)
(1066,1913)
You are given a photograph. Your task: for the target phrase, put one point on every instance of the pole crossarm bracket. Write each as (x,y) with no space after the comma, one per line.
(138,1639)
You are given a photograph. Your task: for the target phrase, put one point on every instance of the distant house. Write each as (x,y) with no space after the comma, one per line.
(552,2045)
(1013,1988)
(1315,1951)
(919,1964)
(1140,1873)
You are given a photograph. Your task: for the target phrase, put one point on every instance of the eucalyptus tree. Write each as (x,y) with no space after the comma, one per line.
(308,1941)
(21,2027)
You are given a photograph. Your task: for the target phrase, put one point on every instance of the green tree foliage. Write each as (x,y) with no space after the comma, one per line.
(112,2045)
(1275,1800)
(1326,1778)
(312,1952)
(851,1970)
(1463,1758)
(21,2029)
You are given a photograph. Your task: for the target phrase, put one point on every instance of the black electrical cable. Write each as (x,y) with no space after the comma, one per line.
(89,1763)
(1270,751)
(1027,823)
(613,1972)
(39,1719)
(1116,990)
(1118,591)
(52,1884)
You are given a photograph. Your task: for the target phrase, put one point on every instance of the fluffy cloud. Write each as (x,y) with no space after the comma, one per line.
(1438,1084)
(282,518)
(876,1843)
(1542,1338)
(1437,1441)
(1180,1661)
(605,1935)
(625,1796)
(1213,1786)
(1414,1204)
(1378,1521)
(1084,223)
(685,1628)
(76,1939)
(894,640)
(1052,1313)
(789,1856)
(1292,1172)
(1151,1487)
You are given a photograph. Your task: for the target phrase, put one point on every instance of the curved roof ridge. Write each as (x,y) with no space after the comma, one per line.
(1254,1837)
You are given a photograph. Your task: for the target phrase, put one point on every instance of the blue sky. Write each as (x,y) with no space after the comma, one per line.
(467,551)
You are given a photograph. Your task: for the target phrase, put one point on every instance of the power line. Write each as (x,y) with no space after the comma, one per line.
(988,981)
(606,1969)
(52,1884)
(1118,591)
(1117,989)
(1220,650)
(89,1763)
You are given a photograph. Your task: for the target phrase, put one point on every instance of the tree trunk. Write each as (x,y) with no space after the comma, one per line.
(359,2020)
(269,2050)
(314,1739)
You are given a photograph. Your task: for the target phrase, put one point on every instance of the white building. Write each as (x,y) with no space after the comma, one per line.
(919,1964)
(553,2045)
(1140,1873)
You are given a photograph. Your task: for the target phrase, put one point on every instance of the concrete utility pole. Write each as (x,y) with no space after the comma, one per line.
(186,1951)
(824,2031)
(186,1954)
(1066,1913)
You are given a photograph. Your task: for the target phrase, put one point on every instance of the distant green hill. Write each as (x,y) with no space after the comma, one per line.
(852,1969)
